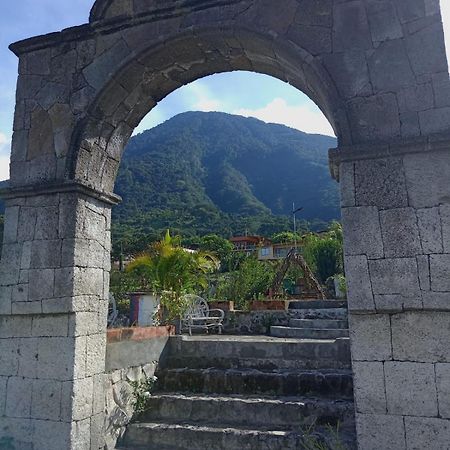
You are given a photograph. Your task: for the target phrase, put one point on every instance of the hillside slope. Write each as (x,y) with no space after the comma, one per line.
(206,167)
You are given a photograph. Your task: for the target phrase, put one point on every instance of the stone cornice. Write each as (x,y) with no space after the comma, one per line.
(58,188)
(360,152)
(86,31)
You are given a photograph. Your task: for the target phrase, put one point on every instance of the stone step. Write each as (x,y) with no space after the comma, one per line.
(332,384)
(163,436)
(317,304)
(330,324)
(260,352)
(322,313)
(284,413)
(308,333)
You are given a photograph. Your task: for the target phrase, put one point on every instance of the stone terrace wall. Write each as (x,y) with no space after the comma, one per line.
(132,354)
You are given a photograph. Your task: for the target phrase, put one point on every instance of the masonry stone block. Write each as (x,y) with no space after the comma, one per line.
(440,272)
(351,73)
(51,435)
(26,307)
(421,336)
(427,433)
(389,67)
(77,397)
(426,177)
(426,49)
(423,266)
(360,295)
(46,400)
(394,276)
(51,325)
(15,327)
(11,224)
(18,397)
(362,235)
(370,337)
(443,389)
(29,356)
(10,264)
(41,284)
(380,432)
(383,21)
(9,361)
(429,222)
(374,118)
(436,301)
(3,391)
(5,299)
(398,302)
(416,98)
(351,30)
(444,211)
(410,388)
(369,388)
(381,183)
(27,223)
(347,184)
(20,431)
(56,358)
(95,356)
(400,233)
(45,254)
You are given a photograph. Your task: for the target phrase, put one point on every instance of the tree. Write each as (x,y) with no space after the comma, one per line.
(324,253)
(171,271)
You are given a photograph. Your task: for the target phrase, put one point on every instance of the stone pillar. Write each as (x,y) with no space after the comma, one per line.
(54,276)
(396,217)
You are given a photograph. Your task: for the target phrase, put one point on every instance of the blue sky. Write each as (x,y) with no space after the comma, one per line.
(242,93)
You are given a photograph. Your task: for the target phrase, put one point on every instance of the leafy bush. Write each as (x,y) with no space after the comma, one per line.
(250,282)
(324,253)
(142,391)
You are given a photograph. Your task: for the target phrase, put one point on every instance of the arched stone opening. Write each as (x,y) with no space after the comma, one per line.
(378,71)
(151,75)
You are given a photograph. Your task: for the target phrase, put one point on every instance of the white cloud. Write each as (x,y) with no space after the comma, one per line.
(207,105)
(445,11)
(301,117)
(4,168)
(5,150)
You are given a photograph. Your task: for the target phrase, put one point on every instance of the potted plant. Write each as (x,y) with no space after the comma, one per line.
(168,272)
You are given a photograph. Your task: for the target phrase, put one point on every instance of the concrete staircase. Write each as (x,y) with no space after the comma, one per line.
(250,392)
(316,319)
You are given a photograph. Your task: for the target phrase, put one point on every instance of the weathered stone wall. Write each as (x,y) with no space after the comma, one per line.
(131,355)
(54,273)
(396,222)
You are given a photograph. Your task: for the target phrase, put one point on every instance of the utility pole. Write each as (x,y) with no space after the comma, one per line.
(294,211)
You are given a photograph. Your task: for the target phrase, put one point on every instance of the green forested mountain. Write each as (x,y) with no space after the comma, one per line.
(215,172)
(202,173)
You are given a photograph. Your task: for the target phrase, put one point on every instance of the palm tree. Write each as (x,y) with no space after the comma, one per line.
(171,271)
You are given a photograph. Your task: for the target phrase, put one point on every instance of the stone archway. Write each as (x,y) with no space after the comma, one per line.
(376,69)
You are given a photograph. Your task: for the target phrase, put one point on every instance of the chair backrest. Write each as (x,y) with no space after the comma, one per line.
(198,306)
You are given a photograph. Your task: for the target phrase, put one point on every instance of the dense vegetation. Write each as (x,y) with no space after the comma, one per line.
(201,173)
(239,277)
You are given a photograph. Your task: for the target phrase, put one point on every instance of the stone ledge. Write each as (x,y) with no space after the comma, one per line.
(359,152)
(96,26)
(35,190)
(139,333)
